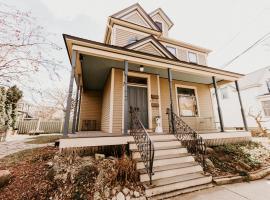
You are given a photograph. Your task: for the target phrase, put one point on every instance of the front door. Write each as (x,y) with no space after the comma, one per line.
(137,98)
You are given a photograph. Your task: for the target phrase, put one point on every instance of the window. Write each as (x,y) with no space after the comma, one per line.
(224,93)
(187,102)
(132,39)
(266,108)
(159,24)
(192,57)
(172,50)
(137,80)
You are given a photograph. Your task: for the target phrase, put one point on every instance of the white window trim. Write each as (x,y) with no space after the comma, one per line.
(148,96)
(171,52)
(196,95)
(197,61)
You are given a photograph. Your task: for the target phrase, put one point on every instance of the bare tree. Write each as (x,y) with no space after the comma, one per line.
(25,47)
(257,116)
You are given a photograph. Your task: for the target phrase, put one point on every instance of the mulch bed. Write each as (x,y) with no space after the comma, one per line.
(29,175)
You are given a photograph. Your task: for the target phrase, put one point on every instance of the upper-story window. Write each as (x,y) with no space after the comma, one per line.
(132,39)
(159,24)
(172,50)
(192,57)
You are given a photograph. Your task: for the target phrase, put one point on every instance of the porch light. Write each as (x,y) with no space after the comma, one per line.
(141,68)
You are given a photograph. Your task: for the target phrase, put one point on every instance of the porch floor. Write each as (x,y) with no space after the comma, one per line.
(99,138)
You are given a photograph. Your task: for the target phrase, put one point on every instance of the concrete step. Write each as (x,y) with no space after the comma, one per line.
(160,145)
(177,186)
(171,173)
(174,179)
(163,152)
(166,156)
(167,167)
(168,195)
(164,162)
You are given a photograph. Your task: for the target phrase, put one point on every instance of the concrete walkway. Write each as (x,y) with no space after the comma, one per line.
(255,190)
(17,143)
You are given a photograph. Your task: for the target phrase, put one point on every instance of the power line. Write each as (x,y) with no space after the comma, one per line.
(263,38)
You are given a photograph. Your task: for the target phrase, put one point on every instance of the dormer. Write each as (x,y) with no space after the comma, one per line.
(162,21)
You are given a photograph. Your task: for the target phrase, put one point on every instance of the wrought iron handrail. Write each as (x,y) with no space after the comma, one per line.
(143,141)
(187,136)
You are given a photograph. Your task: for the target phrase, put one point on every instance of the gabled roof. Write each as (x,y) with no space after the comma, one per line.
(153,43)
(137,10)
(162,15)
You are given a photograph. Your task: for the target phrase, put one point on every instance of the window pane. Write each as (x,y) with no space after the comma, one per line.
(159,25)
(192,57)
(187,102)
(266,108)
(172,50)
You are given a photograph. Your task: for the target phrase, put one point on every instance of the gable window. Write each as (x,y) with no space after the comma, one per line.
(187,102)
(132,39)
(266,108)
(159,24)
(172,50)
(192,57)
(224,93)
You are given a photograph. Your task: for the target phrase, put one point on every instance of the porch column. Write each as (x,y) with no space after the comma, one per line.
(126,109)
(218,105)
(69,98)
(76,107)
(241,105)
(79,109)
(171,98)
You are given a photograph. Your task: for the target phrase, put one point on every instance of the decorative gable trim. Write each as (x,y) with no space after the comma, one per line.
(163,15)
(154,44)
(136,8)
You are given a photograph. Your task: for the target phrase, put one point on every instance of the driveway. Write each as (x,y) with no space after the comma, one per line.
(255,190)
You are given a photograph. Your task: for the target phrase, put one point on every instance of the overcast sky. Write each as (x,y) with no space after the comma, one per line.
(226,27)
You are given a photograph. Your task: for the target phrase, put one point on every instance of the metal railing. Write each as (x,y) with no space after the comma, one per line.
(187,136)
(143,141)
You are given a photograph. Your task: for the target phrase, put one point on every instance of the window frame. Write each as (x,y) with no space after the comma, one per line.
(263,108)
(196,56)
(196,98)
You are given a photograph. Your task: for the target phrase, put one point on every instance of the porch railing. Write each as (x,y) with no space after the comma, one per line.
(187,136)
(143,141)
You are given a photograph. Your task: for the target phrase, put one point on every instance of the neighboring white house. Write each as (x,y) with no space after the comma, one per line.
(255,93)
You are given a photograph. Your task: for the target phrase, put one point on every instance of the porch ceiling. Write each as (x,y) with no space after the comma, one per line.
(95,71)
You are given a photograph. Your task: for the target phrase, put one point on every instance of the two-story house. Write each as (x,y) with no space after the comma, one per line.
(141,87)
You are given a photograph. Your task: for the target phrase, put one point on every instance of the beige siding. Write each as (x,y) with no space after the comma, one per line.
(118,101)
(204,101)
(136,18)
(149,48)
(105,113)
(91,107)
(122,36)
(165,27)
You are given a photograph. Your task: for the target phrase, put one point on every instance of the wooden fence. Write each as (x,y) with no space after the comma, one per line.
(28,125)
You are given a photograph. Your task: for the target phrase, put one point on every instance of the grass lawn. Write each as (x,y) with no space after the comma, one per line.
(44,139)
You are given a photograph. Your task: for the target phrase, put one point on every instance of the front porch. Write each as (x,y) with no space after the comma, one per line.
(99,138)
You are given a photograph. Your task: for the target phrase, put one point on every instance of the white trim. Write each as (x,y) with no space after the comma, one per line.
(111,102)
(123,100)
(159,100)
(196,95)
(130,30)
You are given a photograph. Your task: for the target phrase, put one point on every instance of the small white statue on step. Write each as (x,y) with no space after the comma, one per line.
(158,123)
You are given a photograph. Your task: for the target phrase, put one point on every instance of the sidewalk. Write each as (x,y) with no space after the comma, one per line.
(255,190)
(17,143)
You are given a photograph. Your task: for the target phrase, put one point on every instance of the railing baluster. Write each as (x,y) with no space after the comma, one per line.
(187,136)
(143,141)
